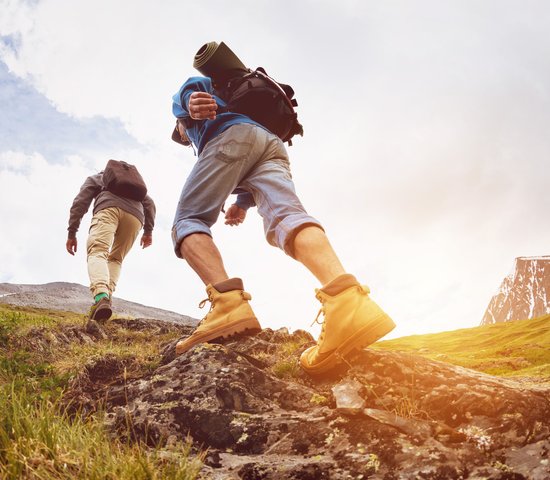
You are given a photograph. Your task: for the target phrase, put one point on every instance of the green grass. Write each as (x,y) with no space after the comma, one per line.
(286,366)
(38,437)
(21,319)
(519,348)
(22,367)
(38,440)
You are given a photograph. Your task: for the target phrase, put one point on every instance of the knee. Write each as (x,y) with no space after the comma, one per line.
(185,230)
(284,234)
(191,242)
(301,238)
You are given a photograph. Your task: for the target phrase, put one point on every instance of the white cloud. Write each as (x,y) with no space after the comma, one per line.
(33,195)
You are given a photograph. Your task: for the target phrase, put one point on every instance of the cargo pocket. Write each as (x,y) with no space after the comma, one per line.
(93,223)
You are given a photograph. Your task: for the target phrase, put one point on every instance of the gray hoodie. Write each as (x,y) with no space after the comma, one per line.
(92,189)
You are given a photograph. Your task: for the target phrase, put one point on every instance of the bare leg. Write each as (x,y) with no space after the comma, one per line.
(203,256)
(313,249)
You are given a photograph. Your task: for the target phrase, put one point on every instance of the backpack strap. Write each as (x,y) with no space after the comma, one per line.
(286,90)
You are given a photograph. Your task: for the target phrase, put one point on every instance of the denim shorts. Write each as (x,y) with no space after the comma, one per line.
(244,157)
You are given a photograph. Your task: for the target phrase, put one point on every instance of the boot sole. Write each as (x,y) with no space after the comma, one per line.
(102,314)
(248,326)
(364,337)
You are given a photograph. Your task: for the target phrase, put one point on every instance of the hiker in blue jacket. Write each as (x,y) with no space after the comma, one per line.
(239,155)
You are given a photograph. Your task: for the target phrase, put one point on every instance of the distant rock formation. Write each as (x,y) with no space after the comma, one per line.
(523,294)
(73,297)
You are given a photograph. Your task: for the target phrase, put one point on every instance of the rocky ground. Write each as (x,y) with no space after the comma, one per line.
(388,415)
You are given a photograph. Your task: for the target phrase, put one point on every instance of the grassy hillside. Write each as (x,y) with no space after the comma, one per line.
(41,437)
(43,355)
(519,348)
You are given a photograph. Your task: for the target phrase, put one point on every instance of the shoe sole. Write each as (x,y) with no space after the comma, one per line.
(247,326)
(102,314)
(364,337)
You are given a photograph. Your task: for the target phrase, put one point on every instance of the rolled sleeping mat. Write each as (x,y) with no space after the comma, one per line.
(218,62)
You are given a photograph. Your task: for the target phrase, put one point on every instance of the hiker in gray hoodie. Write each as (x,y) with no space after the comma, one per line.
(115,225)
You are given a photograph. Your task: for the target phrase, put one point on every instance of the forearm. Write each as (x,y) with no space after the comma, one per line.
(150,211)
(81,204)
(245,201)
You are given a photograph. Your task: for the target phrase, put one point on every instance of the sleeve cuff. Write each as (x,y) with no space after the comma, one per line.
(245,201)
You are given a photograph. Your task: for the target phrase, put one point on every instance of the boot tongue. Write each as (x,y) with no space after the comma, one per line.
(229,284)
(339,284)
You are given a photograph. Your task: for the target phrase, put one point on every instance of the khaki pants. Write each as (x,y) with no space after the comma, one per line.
(112,234)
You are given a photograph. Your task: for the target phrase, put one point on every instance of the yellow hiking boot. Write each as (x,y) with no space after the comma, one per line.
(352,321)
(230,314)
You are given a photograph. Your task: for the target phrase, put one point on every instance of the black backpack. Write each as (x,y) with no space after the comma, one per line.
(265,101)
(124,180)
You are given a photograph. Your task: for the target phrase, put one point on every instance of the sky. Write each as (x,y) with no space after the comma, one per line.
(425,153)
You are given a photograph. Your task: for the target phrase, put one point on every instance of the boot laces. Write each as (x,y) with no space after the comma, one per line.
(320,322)
(203,303)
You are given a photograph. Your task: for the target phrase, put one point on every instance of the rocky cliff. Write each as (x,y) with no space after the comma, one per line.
(246,403)
(523,294)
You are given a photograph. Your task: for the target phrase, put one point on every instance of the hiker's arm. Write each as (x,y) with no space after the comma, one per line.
(245,200)
(235,215)
(146,240)
(202,106)
(88,191)
(150,211)
(194,99)
(180,100)
(71,245)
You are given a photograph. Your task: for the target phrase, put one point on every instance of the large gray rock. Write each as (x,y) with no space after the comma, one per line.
(409,417)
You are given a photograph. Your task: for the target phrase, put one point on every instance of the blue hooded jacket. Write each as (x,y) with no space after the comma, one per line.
(202,131)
